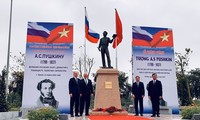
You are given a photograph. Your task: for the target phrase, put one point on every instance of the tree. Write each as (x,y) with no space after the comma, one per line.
(20,62)
(79,65)
(194,83)
(17,72)
(16,85)
(183,82)
(125,90)
(124,86)
(3,103)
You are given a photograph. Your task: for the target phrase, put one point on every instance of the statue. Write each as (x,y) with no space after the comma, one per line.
(103,47)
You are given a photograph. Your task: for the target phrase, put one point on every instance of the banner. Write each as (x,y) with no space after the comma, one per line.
(153,52)
(48,66)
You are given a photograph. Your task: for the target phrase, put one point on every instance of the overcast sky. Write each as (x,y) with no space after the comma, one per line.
(183,16)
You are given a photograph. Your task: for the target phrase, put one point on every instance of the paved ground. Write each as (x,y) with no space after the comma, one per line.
(162,117)
(14,116)
(165,117)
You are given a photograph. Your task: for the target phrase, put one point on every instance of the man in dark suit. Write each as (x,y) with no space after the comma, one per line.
(86,90)
(74,92)
(155,94)
(138,95)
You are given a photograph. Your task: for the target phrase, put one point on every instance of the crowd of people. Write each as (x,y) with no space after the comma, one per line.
(81,90)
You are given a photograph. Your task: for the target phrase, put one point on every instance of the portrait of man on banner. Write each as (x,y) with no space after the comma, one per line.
(46,98)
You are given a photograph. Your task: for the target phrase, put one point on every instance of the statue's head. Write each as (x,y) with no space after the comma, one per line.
(105,33)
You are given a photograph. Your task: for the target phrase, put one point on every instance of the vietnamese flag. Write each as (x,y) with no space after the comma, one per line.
(152,37)
(119,37)
(61,34)
(162,38)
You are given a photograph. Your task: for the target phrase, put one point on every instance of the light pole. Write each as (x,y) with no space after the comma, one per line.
(9,38)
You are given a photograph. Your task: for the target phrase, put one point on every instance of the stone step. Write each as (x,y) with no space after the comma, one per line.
(9,115)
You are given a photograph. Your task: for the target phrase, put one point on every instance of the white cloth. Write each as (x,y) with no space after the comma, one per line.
(76,79)
(154,81)
(86,81)
(137,83)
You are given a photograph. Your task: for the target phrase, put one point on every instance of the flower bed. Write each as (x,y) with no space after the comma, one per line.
(110,110)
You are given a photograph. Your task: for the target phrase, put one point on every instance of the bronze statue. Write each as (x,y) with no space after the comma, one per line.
(103,47)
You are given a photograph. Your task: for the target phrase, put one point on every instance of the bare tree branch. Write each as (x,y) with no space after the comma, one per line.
(79,65)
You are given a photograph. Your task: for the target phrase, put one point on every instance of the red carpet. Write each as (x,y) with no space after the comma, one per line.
(116,117)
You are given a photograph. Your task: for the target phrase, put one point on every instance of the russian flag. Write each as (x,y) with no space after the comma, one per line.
(91,35)
(141,37)
(139,33)
(37,33)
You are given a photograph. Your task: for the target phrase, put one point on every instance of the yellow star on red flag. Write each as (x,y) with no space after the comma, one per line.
(63,33)
(164,37)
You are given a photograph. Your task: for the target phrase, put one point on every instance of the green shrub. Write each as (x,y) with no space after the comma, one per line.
(92,103)
(197,102)
(45,113)
(125,102)
(14,101)
(188,113)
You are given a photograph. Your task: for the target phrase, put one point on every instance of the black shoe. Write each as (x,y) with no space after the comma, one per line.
(81,115)
(87,115)
(110,67)
(77,116)
(141,114)
(72,115)
(158,115)
(153,116)
(136,114)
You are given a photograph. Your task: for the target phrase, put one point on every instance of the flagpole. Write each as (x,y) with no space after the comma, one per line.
(116,41)
(116,53)
(85,70)
(9,39)
(132,64)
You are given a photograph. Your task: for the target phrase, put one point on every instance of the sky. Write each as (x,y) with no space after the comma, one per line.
(182,16)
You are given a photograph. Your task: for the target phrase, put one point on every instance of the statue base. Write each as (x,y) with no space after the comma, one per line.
(107,92)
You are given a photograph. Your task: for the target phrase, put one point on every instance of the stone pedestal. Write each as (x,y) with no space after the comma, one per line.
(196,117)
(165,110)
(107,89)
(9,115)
(63,117)
(107,92)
